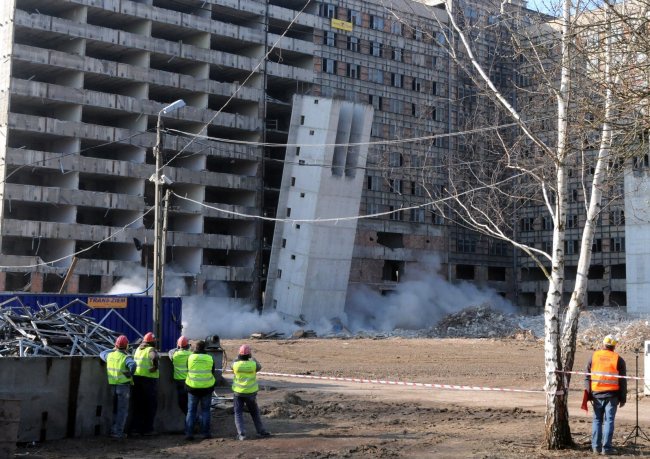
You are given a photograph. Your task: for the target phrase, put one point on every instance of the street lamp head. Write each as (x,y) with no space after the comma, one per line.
(180,103)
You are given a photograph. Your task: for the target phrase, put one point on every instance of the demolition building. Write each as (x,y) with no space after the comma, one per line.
(84,83)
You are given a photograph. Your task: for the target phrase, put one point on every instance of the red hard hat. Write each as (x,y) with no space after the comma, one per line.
(182,342)
(149,338)
(245,349)
(121,342)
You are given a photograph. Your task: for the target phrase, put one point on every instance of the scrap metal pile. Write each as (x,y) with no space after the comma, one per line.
(50,331)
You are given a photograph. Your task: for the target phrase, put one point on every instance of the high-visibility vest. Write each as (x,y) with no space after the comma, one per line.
(245,380)
(604,372)
(179,359)
(116,367)
(144,362)
(199,371)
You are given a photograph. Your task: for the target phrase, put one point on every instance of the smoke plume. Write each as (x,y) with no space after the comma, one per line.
(419,301)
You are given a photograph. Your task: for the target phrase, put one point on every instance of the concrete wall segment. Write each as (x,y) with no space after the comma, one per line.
(60,397)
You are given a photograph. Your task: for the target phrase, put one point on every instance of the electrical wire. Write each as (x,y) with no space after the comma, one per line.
(353,144)
(351,217)
(111,236)
(78,152)
(250,75)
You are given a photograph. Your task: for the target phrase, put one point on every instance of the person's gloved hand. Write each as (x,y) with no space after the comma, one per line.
(621,403)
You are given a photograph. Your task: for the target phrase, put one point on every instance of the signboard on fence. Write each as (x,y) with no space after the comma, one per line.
(105,302)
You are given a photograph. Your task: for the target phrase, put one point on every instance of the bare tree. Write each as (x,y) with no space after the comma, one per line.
(576,127)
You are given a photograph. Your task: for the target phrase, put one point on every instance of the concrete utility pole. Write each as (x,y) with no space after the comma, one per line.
(159,240)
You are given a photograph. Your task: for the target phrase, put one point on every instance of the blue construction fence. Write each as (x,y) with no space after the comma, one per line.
(134,320)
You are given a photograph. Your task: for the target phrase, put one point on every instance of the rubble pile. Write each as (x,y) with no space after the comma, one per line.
(50,331)
(268,335)
(485,322)
(595,324)
(477,322)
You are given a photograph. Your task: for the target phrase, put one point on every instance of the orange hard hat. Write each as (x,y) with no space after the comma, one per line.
(182,342)
(149,338)
(121,342)
(245,349)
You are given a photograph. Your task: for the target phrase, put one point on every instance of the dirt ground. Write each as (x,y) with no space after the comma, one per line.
(332,419)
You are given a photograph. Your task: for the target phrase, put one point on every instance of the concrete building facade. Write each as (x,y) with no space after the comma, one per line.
(82,85)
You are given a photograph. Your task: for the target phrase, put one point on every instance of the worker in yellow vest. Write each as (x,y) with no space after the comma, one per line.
(120,368)
(178,357)
(607,392)
(145,386)
(200,384)
(245,387)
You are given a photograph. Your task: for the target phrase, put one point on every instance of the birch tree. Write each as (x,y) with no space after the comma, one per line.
(575,122)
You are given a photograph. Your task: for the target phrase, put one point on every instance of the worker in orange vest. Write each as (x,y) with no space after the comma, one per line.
(607,391)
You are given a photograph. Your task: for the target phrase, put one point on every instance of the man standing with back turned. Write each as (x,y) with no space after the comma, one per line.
(145,389)
(120,368)
(607,392)
(245,387)
(179,358)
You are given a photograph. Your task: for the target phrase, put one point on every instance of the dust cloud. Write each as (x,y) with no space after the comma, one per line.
(419,301)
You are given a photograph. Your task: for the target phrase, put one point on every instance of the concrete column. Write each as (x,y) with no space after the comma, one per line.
(106,283)
(73,284)
(3,281)
(199,285)
(36,283)
(606,294)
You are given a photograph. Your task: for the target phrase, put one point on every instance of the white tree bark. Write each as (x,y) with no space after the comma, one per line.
(577,302)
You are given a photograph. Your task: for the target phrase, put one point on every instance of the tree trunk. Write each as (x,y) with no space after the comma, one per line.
(556,422)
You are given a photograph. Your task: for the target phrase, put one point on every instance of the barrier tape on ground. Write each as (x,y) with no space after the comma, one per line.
(600,374)
(403,383)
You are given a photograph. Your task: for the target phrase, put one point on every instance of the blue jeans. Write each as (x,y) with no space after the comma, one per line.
(192,404)
(121,394)
(602,428)
(251,404)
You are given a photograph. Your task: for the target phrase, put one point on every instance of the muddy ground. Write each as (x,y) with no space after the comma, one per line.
(332,419)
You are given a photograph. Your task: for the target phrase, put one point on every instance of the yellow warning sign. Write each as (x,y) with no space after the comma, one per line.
(103,302)
(342,25)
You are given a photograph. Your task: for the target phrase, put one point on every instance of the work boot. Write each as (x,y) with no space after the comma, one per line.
(241,437)
(264,433)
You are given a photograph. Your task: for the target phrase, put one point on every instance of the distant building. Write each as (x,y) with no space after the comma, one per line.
(83,83)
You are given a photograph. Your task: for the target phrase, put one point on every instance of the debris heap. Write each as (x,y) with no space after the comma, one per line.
(51,331)
(477,322)
(595,324)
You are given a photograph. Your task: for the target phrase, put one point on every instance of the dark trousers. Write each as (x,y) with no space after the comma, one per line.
(145,404)
(251,405)
(181,394)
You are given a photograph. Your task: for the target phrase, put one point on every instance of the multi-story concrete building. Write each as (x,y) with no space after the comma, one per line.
(83,83)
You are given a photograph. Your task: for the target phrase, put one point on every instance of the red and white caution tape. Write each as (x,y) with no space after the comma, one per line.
(600,374)
(403,383)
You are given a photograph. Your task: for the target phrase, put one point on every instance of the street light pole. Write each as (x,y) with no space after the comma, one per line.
(158,247)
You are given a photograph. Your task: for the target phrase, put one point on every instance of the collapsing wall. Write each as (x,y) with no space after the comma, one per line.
(69,397)
(322,178)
